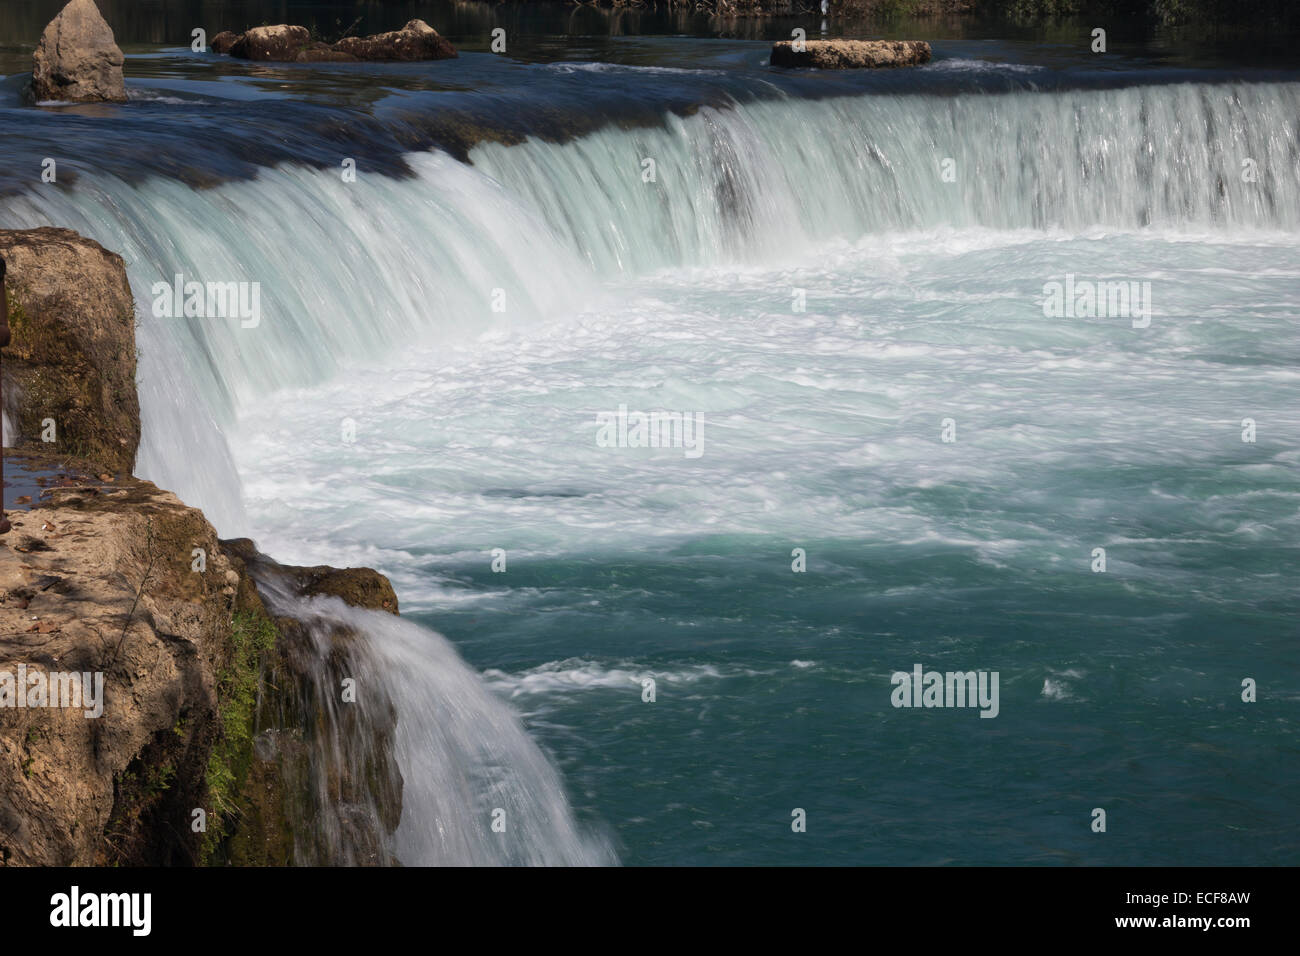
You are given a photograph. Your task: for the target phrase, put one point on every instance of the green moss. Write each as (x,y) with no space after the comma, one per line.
(18,321)
(159,781)
(252,638)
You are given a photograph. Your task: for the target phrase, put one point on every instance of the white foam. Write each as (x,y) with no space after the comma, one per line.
(576,674)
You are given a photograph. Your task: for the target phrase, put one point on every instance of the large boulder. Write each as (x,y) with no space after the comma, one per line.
(70,367)
(289,44)
(415,41)
(851,54)
(99,580)
(77,59)
(279,43)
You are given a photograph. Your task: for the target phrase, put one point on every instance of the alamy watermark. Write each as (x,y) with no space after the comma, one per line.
(1098,299)
(923,688)
(34,688)
(133,911)
(208,300)
(624,429)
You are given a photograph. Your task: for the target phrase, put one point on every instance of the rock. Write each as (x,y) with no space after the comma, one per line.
(317,770)
(77,59)
(415,41)
(280,43)
(323,785)
(851,54)
(208,701)
(323,53)
(223,41)
(289,44)
(113,594)
(72,354)
(359,587)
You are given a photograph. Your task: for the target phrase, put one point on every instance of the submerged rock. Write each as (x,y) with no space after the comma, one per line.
(851,54)
(291,44)
(77,59)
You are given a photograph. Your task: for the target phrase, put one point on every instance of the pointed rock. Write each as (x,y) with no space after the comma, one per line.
(77,59)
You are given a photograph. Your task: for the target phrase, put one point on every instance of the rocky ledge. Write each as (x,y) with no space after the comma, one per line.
(850,54)
(208,711)
(293,44)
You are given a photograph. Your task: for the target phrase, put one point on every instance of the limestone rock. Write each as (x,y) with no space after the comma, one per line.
(291,44)
(72,357)
(359,587)
(278,43)
(415,41)
(851,54)
(77,59)
(101,582)
(207,702)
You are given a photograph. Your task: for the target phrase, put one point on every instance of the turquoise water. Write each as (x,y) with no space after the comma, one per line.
(822,431)
(800,278)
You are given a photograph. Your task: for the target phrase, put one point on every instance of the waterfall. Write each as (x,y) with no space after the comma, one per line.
(353,271)
(356,271)
(423,736)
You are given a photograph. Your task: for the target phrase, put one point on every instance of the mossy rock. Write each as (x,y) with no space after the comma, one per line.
(358,587)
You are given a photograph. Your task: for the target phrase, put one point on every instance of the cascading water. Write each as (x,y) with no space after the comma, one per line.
(423,738)
(354,272)
(360,270)
(766,178)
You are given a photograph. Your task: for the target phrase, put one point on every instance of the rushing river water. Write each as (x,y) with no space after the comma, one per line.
(845,282)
